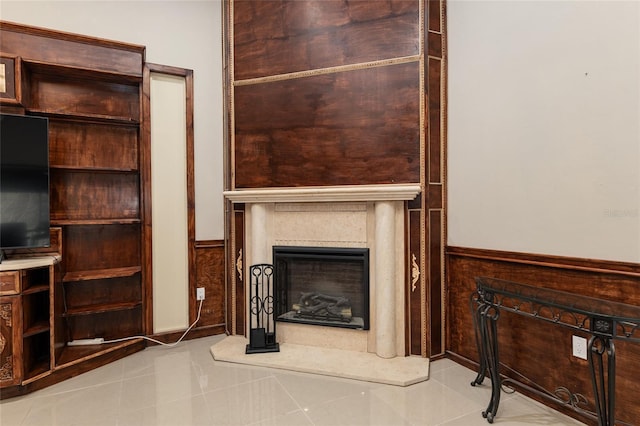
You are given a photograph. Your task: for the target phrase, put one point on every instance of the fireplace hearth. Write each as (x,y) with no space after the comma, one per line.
(323,286)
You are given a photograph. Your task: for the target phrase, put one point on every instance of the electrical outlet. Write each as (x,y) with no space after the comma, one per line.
(200,293)
(579,347)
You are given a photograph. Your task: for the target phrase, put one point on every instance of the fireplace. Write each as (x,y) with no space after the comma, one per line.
(296,230)
(369,217)
(325,286)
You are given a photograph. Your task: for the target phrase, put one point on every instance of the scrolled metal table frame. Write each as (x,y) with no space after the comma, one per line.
(604,320)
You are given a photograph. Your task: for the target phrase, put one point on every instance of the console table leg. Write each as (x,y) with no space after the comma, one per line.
(604,393)
(490,320)
(480,334)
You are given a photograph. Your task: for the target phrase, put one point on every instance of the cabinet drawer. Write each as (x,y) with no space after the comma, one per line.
(9,282)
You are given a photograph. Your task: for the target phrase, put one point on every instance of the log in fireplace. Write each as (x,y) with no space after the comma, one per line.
(326,286)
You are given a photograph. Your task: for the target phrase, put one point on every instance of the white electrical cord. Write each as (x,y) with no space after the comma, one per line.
(157,341)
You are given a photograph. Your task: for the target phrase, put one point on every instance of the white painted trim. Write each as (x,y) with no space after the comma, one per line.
(28,262)
(392,192)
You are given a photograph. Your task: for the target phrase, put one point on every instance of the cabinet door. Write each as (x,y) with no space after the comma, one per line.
(10,342)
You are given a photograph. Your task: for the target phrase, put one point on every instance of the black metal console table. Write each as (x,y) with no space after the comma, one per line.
(603,320)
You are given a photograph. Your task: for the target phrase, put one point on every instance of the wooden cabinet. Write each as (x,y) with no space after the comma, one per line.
(10,343)
(36,320)
(26,320)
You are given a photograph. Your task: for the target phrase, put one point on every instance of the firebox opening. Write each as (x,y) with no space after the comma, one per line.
(322,286)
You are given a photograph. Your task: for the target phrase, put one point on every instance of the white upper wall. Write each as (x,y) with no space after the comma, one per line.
(543,130)
(185,34)
(544,140)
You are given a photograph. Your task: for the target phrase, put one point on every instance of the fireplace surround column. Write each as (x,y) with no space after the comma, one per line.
(385,279)
(259,246)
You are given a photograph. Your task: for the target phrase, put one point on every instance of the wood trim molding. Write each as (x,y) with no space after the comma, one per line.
(145,151)
(68,36)
(145,201)
(329,70)
(48,47)
(552,261)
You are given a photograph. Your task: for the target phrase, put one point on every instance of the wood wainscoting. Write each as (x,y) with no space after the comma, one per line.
(540,351)
(209,273)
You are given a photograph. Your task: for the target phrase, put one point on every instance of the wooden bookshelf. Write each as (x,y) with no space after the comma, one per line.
(91,92)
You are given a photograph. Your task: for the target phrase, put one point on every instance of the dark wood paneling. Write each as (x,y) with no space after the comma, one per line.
(146,215)
(434,82)
(67,49)
(356,127)
(434,44)
(436,327)
(434,205)
(540,351)
(279,37)
(434,18)
(92,145)
(416,278)
(238,271)
(434,195)
(210,274)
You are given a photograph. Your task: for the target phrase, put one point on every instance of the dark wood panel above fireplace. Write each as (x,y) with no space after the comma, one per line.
(279,37)
(350,128)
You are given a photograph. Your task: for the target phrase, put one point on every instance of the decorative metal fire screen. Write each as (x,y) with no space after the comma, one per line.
(322,286)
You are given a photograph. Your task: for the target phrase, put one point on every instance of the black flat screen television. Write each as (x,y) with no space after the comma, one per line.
(24,182)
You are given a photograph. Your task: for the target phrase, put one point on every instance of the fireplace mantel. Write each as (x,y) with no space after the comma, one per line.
(383,192)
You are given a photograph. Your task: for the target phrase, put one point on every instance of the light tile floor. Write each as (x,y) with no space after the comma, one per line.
(183,385)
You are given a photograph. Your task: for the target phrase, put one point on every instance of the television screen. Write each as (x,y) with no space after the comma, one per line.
(24,181)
